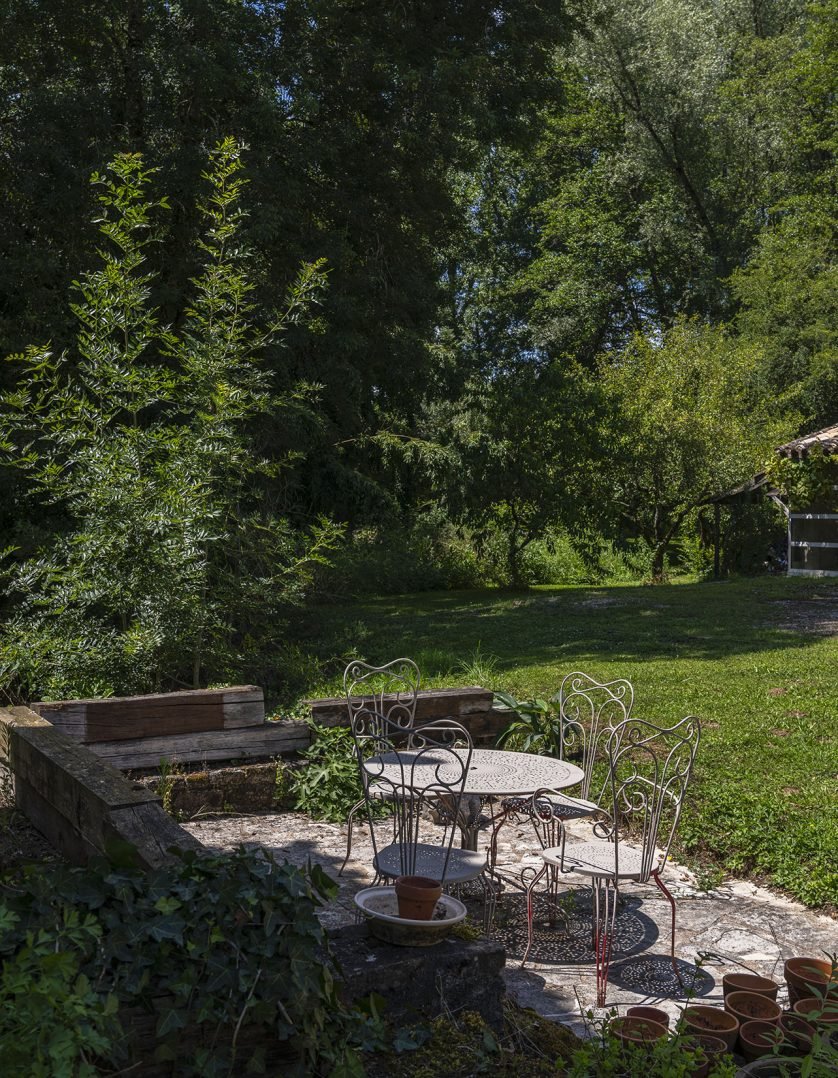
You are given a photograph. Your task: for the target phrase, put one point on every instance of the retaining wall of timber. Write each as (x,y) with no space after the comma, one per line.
(81,804)
(212,725)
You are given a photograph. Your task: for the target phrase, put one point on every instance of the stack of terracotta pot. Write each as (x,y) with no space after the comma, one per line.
(751,1022)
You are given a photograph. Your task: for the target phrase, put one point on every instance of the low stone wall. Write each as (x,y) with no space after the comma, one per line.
(260,787)
(422,983)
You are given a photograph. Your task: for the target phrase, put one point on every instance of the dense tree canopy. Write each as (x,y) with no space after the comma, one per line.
(549,231)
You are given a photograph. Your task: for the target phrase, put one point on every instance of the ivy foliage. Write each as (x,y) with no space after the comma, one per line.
(217,947)
(168,562)
(330,785)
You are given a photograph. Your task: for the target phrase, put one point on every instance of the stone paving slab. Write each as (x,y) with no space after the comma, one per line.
(732,927)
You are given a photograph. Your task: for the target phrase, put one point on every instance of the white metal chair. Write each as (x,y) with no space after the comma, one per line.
(649,768)
(390,691)
(589,710)
(425,779)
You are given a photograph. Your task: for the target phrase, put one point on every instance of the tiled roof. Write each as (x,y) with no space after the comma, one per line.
(827,438)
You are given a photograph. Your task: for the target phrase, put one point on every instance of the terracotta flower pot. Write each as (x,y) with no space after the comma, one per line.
(818,1010)
(757,1039)
(798,1034)
(656,1014)
(750,1007)
(417,897)
(710,1050)
(810,977)
(637,1031)
(701,1019)
(749,982)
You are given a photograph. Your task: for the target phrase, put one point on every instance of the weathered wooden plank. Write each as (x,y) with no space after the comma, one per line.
(56,829)
(156,715)
(56,764)
(150,831)
(430,704)
(270,739)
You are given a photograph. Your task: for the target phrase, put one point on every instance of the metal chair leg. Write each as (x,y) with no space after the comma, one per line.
(358,805)
(531,887)
(605,911)
(671,900)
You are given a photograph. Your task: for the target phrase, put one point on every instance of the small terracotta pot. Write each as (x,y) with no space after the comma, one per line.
(757,1039)
(703,1020)
(417,897)
(637,1031)
(810,977)
(711,1050)
(817,1010)
(798,1034)
(750,1007)
(749,982)
(656,1014)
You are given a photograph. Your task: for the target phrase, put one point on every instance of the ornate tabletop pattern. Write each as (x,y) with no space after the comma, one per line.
(493,773)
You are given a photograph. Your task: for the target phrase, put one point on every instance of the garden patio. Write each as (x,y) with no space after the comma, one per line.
(733,927)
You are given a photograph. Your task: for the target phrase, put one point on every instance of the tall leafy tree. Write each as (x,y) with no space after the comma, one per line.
(174,565)
(684,425)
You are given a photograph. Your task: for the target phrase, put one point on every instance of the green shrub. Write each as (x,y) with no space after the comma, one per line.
(176,565)
(220,946)
(329,785)
(53,1024)
(427,555)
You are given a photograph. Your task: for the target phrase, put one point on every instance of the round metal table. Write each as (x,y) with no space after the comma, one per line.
(492,773)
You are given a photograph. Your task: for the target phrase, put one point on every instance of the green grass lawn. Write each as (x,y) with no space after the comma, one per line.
(753,658)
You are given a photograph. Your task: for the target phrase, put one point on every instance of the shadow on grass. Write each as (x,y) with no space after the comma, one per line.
(687,621)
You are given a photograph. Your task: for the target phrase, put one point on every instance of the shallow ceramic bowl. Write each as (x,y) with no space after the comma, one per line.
(381,909)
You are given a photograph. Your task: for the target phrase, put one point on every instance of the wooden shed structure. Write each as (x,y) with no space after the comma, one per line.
(813,530)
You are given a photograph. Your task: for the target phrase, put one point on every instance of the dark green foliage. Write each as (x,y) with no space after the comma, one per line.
(361,120)
(172,565)
(221,946)
(807,483)
(330,785)
(54,1024)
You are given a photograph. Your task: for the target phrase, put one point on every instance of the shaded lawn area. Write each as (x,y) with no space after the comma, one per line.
(757,660)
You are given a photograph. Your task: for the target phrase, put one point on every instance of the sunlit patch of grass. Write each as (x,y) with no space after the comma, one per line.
(751,658)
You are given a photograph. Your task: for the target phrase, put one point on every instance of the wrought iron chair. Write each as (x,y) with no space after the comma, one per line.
(589,710)
(425,775)
(390,691)
(649,768)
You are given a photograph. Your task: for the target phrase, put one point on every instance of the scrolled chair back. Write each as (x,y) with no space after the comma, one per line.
(391,690)
(588,711)
(426,777)
(649,770)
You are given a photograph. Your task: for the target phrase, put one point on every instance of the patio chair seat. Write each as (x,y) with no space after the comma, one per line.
(463,865)
(597,859)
